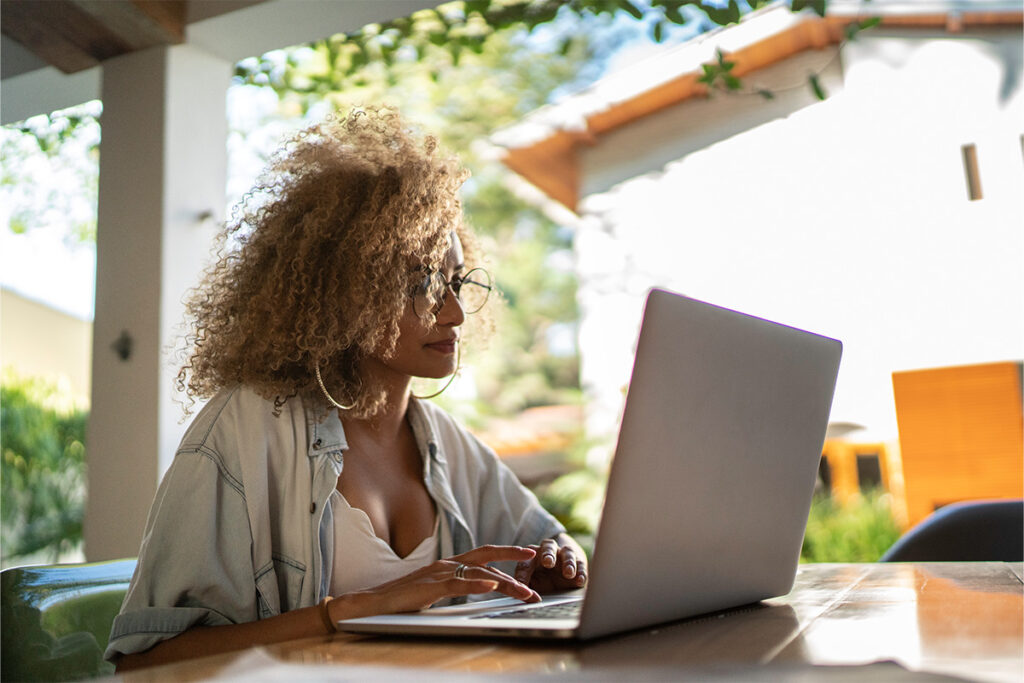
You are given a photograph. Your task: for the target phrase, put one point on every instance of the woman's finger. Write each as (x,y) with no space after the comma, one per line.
(505,583)
(454,587)
(524,570)
(414,593)
(486,554)
(548,553)
(568,561)
(581,570)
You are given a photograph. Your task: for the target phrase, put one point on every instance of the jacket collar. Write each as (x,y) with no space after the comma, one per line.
(326,436)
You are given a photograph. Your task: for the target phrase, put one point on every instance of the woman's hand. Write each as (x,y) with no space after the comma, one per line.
(560,564)
(442,579)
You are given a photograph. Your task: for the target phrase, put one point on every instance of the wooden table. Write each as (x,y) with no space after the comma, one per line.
(958,619)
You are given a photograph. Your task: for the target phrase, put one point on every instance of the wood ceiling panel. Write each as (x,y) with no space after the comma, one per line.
(139,24)
(50,30)
(73,35)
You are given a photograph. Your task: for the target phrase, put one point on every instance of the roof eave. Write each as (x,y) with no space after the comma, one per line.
(543,148)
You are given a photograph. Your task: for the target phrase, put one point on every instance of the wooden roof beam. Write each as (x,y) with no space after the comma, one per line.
(74,35)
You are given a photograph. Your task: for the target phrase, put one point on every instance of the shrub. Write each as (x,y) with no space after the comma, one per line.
(42,469)
(859,531)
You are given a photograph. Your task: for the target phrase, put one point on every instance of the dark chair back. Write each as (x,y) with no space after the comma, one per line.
(56,619)
(987,530)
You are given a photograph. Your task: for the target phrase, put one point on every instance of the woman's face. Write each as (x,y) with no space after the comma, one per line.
(424,349)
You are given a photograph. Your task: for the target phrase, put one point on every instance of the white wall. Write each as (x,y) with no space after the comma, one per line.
(848,217)
(39,341)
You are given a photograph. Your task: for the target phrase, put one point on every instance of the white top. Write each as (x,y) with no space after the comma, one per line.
(364,560)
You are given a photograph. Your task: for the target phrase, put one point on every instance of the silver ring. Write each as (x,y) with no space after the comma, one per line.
(460,571)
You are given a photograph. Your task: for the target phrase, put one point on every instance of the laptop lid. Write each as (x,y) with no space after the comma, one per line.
(711,483)
(717,456)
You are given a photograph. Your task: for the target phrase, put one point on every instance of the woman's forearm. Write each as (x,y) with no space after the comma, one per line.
(414,591)
(200,641)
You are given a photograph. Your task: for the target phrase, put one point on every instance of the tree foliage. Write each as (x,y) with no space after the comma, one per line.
(464,28)
(42,470)
(50,172)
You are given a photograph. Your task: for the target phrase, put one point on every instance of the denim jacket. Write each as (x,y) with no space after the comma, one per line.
(241,526)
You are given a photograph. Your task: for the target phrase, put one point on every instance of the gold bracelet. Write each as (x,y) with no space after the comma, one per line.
(325,615)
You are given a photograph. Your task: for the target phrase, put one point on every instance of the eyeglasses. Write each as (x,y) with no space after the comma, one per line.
(471,289)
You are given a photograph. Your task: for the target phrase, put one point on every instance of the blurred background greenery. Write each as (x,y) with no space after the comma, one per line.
(42,471)
(858,531)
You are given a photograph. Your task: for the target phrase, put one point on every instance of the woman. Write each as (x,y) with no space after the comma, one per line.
(313,486)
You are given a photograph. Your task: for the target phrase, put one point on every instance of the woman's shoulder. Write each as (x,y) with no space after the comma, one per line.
(237,410)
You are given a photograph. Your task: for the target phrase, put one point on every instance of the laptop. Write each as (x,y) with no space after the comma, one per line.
(709,490)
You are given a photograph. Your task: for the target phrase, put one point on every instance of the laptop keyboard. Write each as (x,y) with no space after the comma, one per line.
(560,610)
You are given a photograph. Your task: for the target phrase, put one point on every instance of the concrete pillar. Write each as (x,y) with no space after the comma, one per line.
(162,191)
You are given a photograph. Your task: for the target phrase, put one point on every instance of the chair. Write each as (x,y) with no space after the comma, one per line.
(56,619)
(961,435)
(965,532)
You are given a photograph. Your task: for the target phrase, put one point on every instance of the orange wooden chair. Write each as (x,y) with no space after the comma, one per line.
(961,435)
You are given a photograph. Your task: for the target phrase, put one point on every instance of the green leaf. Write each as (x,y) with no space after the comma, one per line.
(358,59)
(817,5)
(675,16)
(816,87)
(735,13)
(439,15)
(632,9)
(856,27)
(17,225)
(723,16)
(658,32)
(541,14)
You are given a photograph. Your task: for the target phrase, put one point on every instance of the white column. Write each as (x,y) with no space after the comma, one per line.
(162,167)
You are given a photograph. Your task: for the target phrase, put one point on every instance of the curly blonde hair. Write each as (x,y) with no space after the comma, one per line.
(316,266)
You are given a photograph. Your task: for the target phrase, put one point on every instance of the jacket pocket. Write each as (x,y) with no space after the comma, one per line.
(279,586)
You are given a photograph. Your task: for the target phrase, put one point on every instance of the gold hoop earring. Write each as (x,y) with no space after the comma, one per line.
(330,398)
(458,366)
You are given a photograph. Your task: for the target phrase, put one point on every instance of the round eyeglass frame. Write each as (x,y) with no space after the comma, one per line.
(478,280)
